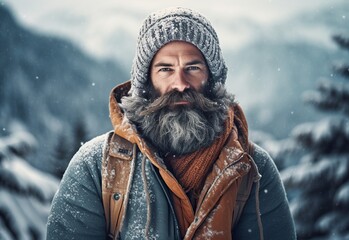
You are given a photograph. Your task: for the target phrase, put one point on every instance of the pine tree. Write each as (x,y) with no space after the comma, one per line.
(62,155)
(67,146)
(320,181)
(80,134)
(25,192)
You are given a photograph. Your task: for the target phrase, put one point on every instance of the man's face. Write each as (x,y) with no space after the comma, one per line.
(178,66)
(180,119)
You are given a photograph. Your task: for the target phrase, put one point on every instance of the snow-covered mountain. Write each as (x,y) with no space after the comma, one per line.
(52,87)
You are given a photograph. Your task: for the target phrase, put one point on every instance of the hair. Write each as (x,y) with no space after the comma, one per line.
(181,129)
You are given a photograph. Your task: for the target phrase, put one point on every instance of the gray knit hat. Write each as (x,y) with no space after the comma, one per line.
(174,24)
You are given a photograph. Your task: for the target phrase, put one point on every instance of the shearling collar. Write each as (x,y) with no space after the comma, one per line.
(121,126)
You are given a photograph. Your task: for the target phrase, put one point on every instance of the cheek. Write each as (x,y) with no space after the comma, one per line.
(160,91)
(159,87)
(200,85)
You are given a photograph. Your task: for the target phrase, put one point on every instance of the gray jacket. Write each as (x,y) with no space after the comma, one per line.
(77,210)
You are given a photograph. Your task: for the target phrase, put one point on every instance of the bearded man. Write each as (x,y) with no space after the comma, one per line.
(178,164)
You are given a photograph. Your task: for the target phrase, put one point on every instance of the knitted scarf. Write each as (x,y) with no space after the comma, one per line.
(191,169)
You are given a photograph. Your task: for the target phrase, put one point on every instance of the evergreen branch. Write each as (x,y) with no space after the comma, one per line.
(341,41)
(325,137)
(329,97)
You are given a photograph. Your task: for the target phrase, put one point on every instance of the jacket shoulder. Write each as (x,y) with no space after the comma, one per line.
(91,152)
(274,210)
(77,209)
(261,157)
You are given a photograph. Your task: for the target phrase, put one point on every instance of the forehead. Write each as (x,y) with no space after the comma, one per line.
(179,48)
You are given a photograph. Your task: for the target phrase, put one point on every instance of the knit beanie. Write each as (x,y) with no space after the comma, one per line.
(175,24)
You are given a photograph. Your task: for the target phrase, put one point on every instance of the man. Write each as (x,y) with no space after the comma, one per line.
(178,164)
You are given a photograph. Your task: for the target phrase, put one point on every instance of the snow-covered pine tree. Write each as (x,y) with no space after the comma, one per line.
(321,178)
(25,192)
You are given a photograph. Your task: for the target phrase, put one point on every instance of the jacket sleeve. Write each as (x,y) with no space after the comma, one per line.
(77,210)
(275,213)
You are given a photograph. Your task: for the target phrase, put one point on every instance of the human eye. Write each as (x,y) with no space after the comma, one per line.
(165,69)
(193,68)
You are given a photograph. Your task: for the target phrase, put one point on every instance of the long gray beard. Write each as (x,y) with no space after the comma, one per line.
(180,129)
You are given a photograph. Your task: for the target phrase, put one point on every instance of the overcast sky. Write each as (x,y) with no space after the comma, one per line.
(261,10)
(97,26)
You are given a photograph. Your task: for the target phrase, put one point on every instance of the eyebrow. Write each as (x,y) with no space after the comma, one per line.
(161,64)
(194,62)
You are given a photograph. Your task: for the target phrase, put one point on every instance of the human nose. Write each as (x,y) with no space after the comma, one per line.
(180,82)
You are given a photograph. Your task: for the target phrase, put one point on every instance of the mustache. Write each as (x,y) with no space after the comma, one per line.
(197,100)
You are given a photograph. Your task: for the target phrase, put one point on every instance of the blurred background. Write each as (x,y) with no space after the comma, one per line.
(288,67)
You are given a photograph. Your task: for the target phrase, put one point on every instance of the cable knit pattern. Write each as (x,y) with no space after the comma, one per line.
(176,24)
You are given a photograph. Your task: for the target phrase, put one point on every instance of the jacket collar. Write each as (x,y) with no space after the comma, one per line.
(121,126)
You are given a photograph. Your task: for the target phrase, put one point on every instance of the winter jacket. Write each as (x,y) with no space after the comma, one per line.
(77,209)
